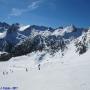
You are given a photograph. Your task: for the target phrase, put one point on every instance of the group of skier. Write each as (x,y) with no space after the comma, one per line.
(26,69)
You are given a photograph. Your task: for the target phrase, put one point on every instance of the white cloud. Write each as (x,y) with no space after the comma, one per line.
(34,5)
(17,12)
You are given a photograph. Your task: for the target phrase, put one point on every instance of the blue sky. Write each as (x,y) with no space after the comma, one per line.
(46,12)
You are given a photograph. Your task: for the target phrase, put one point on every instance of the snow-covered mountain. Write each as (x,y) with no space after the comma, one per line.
(20,40)
(57,72)
(43,58)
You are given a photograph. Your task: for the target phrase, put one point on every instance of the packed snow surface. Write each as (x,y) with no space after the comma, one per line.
(69,72)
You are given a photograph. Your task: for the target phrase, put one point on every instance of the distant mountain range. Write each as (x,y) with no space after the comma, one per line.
(17,39)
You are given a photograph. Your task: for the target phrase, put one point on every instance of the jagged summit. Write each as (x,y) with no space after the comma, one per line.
(19,39)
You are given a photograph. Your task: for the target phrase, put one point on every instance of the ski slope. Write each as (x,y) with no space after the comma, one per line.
(70,72)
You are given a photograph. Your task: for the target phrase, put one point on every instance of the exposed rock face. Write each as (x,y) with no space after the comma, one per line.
(35,38)
(5,56)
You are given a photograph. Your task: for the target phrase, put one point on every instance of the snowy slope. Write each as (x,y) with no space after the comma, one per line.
(70,72)
(22,27)
(65,69)
(2,35)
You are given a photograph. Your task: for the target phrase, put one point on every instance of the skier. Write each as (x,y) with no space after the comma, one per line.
(38,66)
(11,70)
(6,73)
(26,70)
(3,73)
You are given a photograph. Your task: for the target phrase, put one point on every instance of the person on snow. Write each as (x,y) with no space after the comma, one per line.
(39,66)
(26,70)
